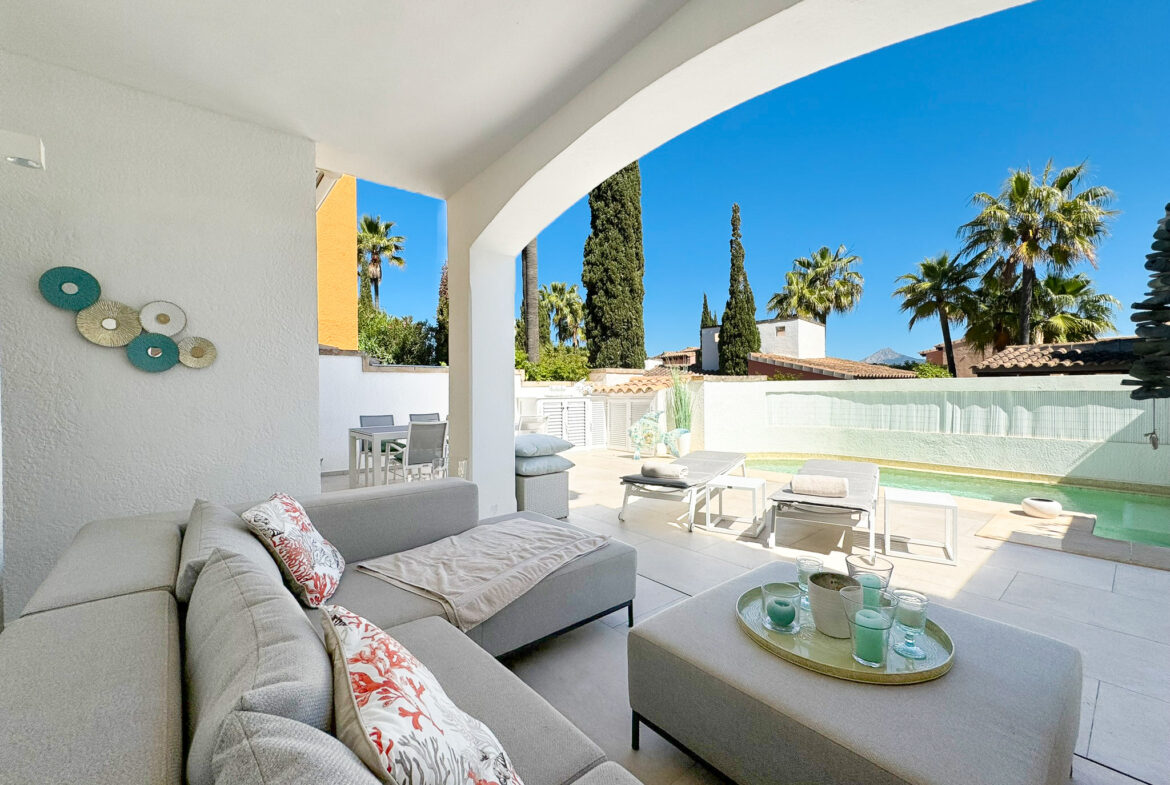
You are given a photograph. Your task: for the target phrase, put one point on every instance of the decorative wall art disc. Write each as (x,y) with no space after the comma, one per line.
(108,323)
(70,288)
(196,352)
(153,352)
(162,317)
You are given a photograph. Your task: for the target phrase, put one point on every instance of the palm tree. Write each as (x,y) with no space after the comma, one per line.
(939,288)
(1034,223)
(568,312)
(1071,309)
(819,285)
(1064,309)
(531,303)
(376,245)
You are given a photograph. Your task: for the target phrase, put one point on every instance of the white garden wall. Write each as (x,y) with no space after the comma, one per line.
(347,392)
(158,200)
(1084,427)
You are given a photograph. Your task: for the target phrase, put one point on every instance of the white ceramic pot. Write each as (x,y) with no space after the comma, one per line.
(824,600)
(1041,508)
(684,444)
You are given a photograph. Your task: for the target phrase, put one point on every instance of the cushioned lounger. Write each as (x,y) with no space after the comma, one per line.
(702,467)
(849,510)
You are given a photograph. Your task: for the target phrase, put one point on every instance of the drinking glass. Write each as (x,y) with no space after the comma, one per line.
(806,566)
(870,621)
(781,604)
(910,620)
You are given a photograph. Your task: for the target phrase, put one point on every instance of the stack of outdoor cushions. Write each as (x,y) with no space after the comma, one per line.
(536,455)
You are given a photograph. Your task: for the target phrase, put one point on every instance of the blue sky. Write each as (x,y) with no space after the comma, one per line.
(881,153)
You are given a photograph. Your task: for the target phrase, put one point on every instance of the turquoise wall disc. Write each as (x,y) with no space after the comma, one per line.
(83,288)
(140,352)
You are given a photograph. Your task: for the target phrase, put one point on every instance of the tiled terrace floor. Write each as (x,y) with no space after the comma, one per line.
(1117,615)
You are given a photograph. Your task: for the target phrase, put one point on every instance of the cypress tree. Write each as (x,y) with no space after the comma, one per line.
(739,336)
(707,319)
(612,273)
(442,314)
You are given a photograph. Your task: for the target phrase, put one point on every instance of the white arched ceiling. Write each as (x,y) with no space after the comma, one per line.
(708,57)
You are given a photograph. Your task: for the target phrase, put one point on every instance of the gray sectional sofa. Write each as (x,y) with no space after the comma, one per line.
(109,677)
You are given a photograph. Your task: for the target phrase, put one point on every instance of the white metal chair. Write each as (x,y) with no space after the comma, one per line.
(425,453)
(532,423)
(431,417)
(365,448)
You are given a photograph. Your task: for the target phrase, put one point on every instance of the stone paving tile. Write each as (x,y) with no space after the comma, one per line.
(1146,582)
(1088,705)
(681,569)
(1138,616)
(1131,733)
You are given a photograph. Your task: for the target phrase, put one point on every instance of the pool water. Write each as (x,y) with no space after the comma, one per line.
(1136,517)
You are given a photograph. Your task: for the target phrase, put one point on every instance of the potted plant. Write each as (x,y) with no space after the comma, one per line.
(679,405)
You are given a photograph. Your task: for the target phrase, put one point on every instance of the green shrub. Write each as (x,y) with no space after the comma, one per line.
(679,404)
(557,364)
(394,340)
(929,371)
(780,376)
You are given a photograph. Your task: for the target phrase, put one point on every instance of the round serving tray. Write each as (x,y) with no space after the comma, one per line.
(834,656)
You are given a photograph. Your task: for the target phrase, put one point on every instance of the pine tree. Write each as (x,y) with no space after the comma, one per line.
(612,273)
(707,319)
(739,336)
(442,313)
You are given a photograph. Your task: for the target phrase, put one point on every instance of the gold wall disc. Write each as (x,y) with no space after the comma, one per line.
(196,352)
(108,323)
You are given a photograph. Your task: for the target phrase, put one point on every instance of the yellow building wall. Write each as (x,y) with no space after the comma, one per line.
(337,266)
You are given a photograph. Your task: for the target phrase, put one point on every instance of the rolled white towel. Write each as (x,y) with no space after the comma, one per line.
(820,485)
(661,470)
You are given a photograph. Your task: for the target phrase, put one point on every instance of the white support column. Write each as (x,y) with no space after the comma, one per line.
(481,289)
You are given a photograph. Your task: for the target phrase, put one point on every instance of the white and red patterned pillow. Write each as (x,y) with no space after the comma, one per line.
(392,712)
(312,567)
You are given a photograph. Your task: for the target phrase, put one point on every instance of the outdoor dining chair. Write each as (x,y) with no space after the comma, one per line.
(425,453)
(431,417)
(365,448)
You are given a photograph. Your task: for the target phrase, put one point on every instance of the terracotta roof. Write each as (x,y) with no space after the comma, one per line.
(687,350)
(639,385)
(835,366)
(1106,355)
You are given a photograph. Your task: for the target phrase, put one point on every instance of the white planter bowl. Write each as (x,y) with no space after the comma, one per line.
(824,599)
(1041,508)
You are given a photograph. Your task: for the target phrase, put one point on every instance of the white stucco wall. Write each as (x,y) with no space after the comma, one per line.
(347,392)
(159,201)
(798,338)
(738,416)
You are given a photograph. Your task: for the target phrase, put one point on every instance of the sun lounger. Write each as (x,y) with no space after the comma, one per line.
(860,505)
(702,467)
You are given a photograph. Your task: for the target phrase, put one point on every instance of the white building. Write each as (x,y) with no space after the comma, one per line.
(798,338)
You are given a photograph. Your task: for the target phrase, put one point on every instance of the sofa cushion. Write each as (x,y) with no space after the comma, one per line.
(214,526)
(545,748)
(542,464)
(365,523)
(381,602)
(529,445)
(263,749)
(110,558)
(394,714)
(249,646)
(91,693)
(310,564)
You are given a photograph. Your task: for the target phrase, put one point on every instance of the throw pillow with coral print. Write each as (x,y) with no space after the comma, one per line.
(392,712)
(312,567)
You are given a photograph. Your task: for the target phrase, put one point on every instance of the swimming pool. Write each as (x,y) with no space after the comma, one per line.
(1136,517)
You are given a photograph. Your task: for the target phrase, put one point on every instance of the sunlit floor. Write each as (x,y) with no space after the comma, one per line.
(1117,615)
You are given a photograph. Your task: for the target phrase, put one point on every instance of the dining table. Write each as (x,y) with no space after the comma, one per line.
(376,439)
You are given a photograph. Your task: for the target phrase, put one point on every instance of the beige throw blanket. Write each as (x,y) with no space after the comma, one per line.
(475,574)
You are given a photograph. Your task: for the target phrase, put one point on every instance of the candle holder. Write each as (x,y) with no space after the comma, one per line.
(910,621)
(806,566)
(861,564)
(870,613)
(781,606)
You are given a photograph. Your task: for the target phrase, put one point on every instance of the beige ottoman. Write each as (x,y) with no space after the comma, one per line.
(1006,713)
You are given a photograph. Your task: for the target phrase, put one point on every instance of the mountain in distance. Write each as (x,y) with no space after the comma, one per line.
(888,356)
